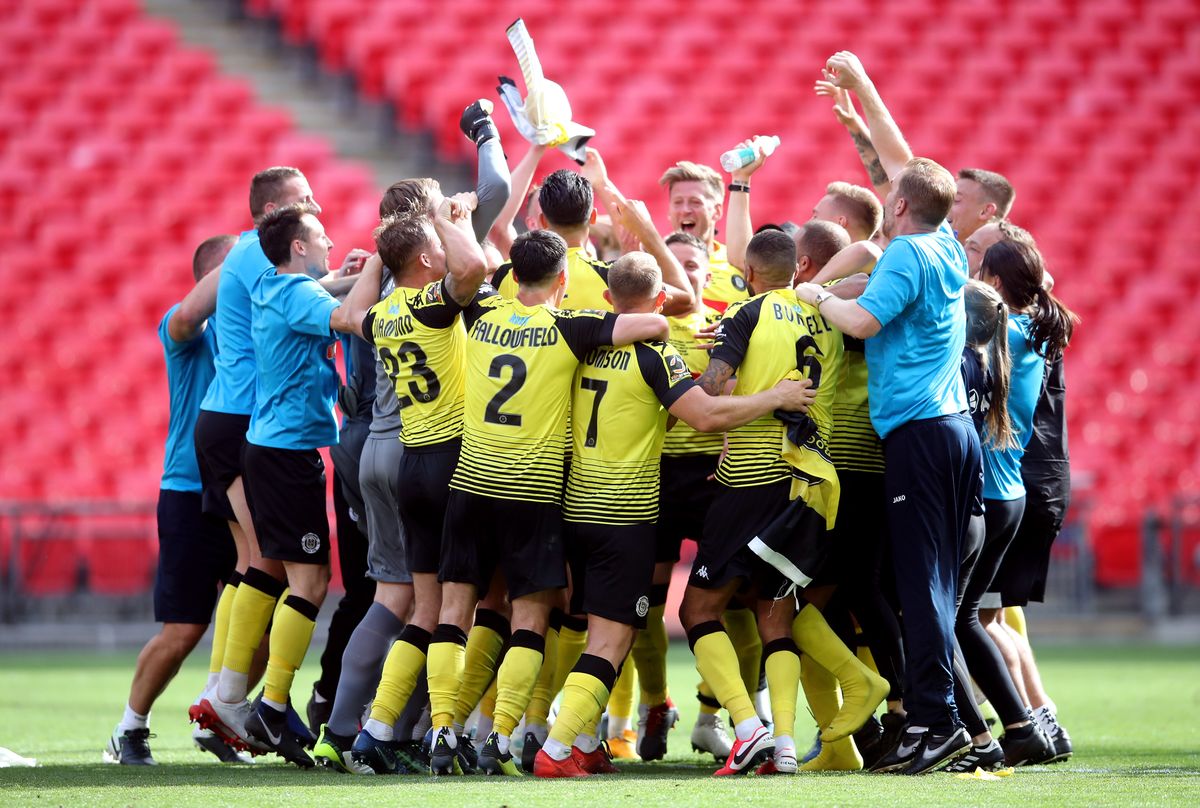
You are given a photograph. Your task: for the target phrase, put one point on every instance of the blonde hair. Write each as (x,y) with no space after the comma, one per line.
(687,171)
(634,278)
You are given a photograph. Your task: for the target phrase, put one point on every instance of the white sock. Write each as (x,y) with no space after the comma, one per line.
(378,730)
(132,720)
(746,729)
(483,727)
(233,686)
(210,686)
(784,743)
(540,731)
(458,728)
(617,726)
(587,743)
(556,749)
(502,743)
(318,698)
(274,705)
(913,728)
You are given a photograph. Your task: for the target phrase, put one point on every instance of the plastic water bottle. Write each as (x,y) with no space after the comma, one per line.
(734,159)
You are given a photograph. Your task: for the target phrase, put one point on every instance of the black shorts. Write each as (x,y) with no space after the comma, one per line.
(220,441)
(685,493)
(860,534)
(1022,575)
(286,492)
(612,567)
(422,489)
(735,517)
(195,554)
(522,539)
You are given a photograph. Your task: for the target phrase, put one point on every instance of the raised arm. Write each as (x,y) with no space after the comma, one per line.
(348,317)
(502,231)
(846,71)
(739,227)
(492,184)
(608,194)
(466,264)
(847,115)
(195,309)
(708,413)
(634,217)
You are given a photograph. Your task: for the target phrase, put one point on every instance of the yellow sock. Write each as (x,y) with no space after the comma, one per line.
(783,680)
(650,656)
(572,639)
(862,689)
(821,692)
(484,644)
(515,680)
(487,704)
(291,633)
(743,633)
(620,697)
(401,670)
(253,604)
(445,670)
(538,711)
(717,662)
(1015,617)
(584,694)
(221,624)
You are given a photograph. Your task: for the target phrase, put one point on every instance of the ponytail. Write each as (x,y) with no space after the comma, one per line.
(1052,325)
(987,333)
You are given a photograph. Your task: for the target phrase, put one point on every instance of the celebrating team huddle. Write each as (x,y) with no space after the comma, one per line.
(839,413)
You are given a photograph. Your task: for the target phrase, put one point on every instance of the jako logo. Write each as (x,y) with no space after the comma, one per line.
(898,499)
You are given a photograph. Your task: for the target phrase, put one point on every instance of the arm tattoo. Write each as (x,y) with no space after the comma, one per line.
(714,378)
(870,158)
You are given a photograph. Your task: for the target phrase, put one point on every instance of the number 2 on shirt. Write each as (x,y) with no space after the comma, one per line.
(516,380)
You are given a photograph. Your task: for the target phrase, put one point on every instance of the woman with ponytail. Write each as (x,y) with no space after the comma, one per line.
(1015,271)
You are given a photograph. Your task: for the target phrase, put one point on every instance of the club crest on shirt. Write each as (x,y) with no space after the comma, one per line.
(643,606)
(433,293)
(677,369)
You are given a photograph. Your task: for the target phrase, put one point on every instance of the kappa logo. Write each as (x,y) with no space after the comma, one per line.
(896,500)
(643,606)
(310,543)
(702,572)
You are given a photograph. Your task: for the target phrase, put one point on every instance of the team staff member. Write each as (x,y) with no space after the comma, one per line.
(913,320)
(295,391)
(196,552)
(521,357)
(621,399)
(220,438)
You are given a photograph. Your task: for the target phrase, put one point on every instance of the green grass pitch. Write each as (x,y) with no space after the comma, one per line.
(1132,711)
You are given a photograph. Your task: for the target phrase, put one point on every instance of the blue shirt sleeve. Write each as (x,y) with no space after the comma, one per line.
(170,345)
(307,307)
(894,284)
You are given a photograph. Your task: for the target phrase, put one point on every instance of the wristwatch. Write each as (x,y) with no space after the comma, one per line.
(821,297)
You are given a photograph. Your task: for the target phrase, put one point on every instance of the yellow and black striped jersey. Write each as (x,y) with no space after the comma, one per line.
(587,278)
(422,346)
(727,284)
(520,363)
(765,339)
(854,444)
(620,406)
(682,439)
